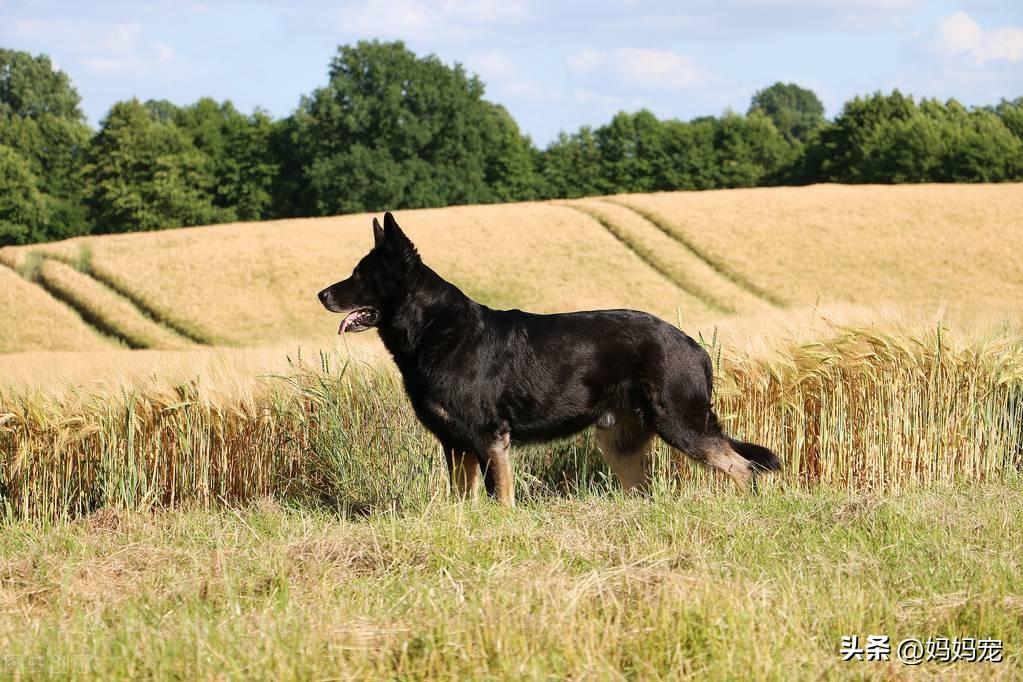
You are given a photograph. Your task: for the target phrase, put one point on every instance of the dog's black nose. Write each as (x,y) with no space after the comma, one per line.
(323,296)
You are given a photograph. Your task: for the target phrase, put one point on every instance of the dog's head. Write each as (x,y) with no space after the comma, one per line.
(379,282)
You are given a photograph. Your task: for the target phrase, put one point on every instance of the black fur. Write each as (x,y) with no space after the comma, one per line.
(474,374)
(758,454)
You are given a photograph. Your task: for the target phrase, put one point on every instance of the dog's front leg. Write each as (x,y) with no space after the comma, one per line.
(464,470)
(497,471)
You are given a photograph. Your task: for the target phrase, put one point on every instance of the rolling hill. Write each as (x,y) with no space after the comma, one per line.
(698,257)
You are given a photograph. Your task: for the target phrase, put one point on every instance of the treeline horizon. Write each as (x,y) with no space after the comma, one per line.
(392,130)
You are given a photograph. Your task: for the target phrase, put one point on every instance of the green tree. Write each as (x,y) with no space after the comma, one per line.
(571,167)
(391,129)
(23,209)
(238,149)
(509,170)
(639,153)
(796,112)
(145,174)
(31,87)
(891,139)
(749,151)
(845,150)
(290,192)
(633,157)
(162,110)
(1011,113)
(907,150)
(979,147)
(691,147)
(40,120)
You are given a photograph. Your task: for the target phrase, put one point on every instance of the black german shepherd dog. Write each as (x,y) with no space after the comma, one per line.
(480,379)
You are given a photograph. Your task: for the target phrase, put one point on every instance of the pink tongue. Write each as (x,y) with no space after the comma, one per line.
(348,320)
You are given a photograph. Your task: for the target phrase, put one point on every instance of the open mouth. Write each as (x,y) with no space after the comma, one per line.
(359,320)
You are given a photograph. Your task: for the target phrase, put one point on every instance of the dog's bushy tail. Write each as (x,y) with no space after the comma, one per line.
(758,454)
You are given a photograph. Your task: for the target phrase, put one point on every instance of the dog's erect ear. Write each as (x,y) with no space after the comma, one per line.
(378,233)
(396,239)
(391,226)
(393,233)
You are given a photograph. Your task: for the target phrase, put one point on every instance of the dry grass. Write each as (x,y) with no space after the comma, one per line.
(705,254)
(680,264)
(691,584)
(919,424)
(32,319)
(104,309)
(255,283)
(875,407)
(226,370)
(908,245)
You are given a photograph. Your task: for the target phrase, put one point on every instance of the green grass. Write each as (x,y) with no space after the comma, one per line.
(692,583)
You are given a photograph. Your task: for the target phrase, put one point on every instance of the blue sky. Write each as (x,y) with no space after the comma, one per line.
(554,65)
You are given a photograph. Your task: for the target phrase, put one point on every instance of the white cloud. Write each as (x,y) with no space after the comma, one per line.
(486,11)
(640,67)
(493,65)
(430,20)
(119,39)
(106,65)
(100,47)
(959,37)
(609,102)
(189,5)
(79,36)
(164,53)
(502,75)
(957,57)
(658,68)
(395,17)
(587,60)
(837,5)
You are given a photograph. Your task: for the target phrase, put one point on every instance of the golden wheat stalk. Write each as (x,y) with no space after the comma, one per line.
(867,408)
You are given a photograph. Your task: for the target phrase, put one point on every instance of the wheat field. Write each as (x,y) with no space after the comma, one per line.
(697,257)
(199,479)
(35,321)
(913,245)
(248,284)
(918,383)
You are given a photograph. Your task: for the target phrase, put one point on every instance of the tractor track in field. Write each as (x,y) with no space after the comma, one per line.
(101,324)
(186,331)
(733,277)
(629,243)
(97,325)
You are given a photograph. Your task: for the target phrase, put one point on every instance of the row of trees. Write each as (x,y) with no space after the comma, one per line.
(393,130)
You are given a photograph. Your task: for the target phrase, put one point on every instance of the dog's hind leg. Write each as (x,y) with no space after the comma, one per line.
(497,471)
(464,470)
(625,444)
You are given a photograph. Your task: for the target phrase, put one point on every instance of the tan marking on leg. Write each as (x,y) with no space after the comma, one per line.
(441,413)
(632,470)
(498,471)
(720,455)
(465,474)
(626,449)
